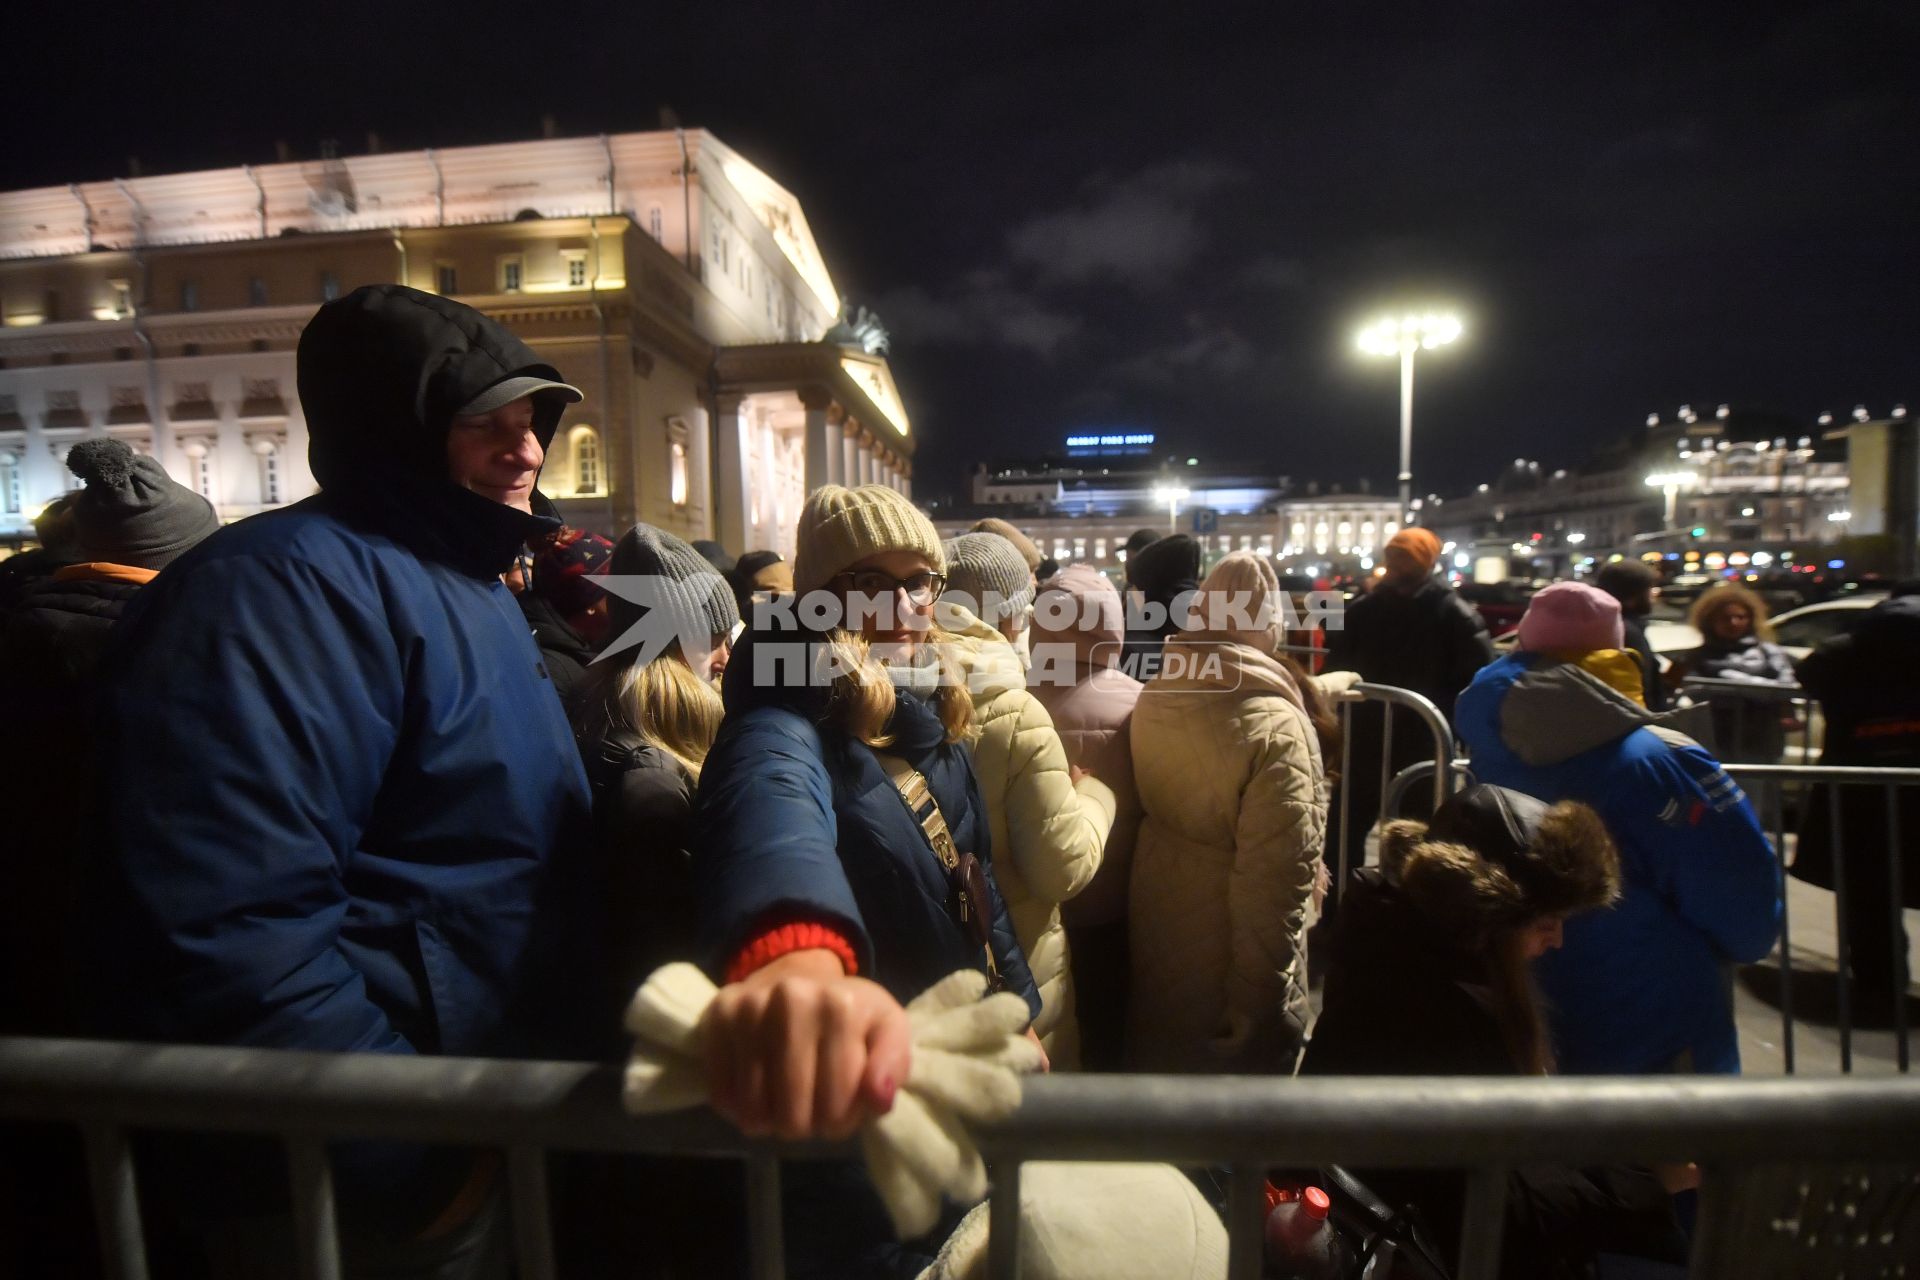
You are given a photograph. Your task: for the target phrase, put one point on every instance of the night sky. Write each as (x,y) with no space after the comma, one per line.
(1172,217)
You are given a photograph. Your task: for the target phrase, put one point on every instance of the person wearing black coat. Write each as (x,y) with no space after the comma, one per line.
(1868,684)
(128,522)
(1633,584)
(1412,631)
(1429,977)
(1162,571)
(645,718)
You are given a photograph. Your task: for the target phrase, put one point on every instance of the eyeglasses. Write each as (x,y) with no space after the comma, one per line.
(921,588)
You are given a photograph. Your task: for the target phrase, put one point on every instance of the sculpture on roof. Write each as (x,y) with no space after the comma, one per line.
(860,329)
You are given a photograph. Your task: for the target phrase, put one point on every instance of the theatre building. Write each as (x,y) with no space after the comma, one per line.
(669,278)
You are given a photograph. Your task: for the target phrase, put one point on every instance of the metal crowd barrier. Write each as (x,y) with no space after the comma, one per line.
(1749,704)
(1442,759)
(1741,1132)
(1769,785)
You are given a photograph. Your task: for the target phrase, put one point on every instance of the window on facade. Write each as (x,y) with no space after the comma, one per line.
(576,270)
(329,286)
(586,460)
(256,292)
(122,297)
(270,476)
(189,296)
(10,483)
(446,279)
(679,488)
(746,277)
(654,223)
(677,481)
(510,269)
(199,467)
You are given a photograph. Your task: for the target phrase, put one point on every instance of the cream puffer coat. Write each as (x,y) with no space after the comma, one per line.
(1048,831)
(1227,867)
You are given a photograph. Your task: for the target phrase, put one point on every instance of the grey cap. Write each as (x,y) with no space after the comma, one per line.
(507,390)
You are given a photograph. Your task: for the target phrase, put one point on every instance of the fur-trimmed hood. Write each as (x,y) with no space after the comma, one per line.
(1492,859)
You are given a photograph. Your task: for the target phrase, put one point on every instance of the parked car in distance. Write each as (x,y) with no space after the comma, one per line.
(1500,603)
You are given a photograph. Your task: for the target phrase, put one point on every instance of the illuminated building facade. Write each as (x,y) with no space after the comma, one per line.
(670,279)
(1084,504)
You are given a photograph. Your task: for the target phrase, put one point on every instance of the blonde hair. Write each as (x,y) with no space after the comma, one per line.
(1712,603)
(861,700)
(663,702)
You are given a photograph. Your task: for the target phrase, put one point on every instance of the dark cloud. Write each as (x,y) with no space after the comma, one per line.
(1142,231)
(982,310)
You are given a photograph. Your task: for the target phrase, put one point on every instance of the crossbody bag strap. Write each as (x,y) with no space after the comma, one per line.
(918,795)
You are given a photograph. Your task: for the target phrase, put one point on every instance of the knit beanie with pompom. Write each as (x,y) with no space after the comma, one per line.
(131,511)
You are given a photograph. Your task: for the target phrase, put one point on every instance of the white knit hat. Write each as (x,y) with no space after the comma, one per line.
(841,527)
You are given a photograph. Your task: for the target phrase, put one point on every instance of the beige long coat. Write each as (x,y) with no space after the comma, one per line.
(1226,867)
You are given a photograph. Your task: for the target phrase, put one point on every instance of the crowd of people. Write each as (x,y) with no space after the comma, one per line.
(380,772)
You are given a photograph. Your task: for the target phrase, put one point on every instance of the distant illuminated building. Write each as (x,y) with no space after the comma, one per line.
(670,279)
(1084,504)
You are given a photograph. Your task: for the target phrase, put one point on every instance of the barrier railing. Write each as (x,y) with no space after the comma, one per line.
(1437,728)
(1769,786)
(1758,714)
(1739,1131)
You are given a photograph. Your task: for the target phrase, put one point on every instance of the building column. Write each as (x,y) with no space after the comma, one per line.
(869,463)
(821,440)
(850,453)
(732,474)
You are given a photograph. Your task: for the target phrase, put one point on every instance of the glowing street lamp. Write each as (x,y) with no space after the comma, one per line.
(1171,494)
(1403,336)
(1672,482)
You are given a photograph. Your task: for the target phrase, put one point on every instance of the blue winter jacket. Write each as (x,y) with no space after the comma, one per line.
(343,809)
(1645,984)
(797,821)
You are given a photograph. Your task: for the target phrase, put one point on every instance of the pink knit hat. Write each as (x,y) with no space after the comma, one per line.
(1572,615)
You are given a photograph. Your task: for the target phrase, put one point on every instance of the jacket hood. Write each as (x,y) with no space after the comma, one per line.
(1201,663)
(1894,624)
(1553,711)
(991,665)
(382,372)
(1078,606)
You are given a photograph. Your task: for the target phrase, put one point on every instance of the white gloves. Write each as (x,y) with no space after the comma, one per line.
(968,1054)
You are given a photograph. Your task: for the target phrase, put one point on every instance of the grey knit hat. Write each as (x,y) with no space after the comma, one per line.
(684,583)
(131,512)
(991,573)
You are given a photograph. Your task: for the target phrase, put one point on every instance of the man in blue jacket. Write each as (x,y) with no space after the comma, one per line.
(344,810)
(1643,987)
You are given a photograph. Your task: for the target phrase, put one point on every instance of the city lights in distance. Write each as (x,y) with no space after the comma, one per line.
(1669,479)
(1396,335)
(1839,517)
(1575,539)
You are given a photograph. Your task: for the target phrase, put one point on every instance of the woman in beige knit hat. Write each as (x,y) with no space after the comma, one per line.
(820,890)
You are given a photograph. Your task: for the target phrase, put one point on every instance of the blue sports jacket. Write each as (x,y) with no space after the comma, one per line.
(1643,985)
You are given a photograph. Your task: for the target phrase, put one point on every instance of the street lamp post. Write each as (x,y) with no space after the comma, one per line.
(1671,482)
(1403,336)
(1171,494)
